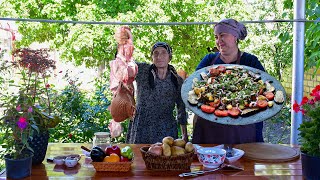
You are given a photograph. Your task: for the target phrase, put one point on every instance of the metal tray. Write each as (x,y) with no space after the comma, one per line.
(241,120)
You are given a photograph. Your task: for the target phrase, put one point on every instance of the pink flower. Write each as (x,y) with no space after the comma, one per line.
(30,109)
(22,119)
(22,123)
(18,108)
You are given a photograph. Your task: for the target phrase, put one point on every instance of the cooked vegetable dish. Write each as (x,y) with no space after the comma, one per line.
(232,91)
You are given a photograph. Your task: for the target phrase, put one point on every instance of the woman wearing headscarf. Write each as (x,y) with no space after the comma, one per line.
(158,92)
(228,33)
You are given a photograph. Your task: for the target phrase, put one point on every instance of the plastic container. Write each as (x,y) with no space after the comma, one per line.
(101,139)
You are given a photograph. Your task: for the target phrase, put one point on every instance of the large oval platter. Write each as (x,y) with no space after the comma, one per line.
(259,116)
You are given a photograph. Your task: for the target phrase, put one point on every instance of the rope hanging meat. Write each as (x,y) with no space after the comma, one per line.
(151,23)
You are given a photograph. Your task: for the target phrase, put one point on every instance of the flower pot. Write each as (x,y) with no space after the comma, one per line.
(18,168)
(310,166)
(39,144)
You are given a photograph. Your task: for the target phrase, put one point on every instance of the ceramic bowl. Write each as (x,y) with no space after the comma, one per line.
(238,153)
(211,157)
(59,160)
(71,162)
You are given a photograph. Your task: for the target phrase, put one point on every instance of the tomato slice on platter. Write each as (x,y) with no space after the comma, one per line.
(214,72)
(221,113)
(262,104)
(234,112)
(215,103)
(222,68)
(207,109)
(228,71)
(269,95)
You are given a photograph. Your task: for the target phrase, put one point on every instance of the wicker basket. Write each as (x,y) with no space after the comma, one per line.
(112,166)
(156,162)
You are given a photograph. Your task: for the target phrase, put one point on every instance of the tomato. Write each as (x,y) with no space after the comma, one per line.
(228,71)
(207,109)
(262,103)
(260,91)
(222,68)
(269,95)
(234,112)
(221,113)
(215,103)
(214,72)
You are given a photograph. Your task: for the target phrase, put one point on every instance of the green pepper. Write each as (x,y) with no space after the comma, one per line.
(97,154)
(127,152)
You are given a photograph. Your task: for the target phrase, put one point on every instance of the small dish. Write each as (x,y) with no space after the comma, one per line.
(237,154)
(71,161)
(59,160)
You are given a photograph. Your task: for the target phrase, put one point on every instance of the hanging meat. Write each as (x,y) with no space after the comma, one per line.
(123,70)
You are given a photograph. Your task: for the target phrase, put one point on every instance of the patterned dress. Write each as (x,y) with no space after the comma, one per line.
(154,117)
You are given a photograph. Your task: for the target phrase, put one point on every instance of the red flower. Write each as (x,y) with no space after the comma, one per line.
(47,86)
(296,107)
(316,94)
(310,106)
(311,102)
(317,88)
(304,100)
(70,135)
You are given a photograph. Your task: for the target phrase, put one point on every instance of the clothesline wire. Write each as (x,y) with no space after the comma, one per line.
(151,23)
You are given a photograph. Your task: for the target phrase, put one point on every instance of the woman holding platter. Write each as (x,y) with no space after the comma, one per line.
(158,93)
(228,33)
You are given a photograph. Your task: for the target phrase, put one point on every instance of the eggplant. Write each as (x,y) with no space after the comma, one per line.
(249,111)
(97,154)
(269,87)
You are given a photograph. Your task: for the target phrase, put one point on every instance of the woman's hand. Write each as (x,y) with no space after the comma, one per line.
(184,132)
(185,137)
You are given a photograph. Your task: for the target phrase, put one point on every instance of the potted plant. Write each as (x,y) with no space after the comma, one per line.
(27,109)
(310,134)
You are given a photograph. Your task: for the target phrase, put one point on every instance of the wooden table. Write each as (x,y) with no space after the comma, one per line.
(252,170)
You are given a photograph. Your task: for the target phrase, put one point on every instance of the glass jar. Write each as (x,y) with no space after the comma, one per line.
(101,139)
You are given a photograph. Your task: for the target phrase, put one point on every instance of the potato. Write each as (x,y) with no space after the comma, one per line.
(166,149)
(179,142)
(189,147)
(168,140)
(157,150)
(176,151)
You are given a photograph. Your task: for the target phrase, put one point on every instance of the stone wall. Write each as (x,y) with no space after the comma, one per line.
(309,82)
